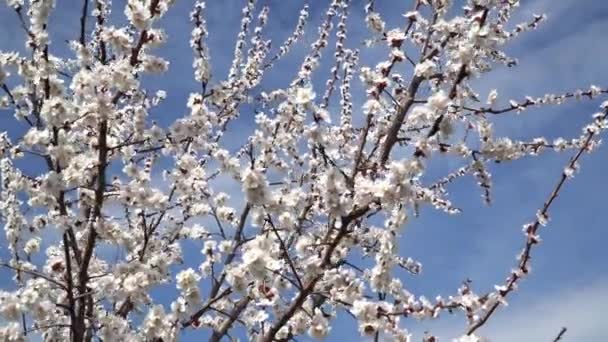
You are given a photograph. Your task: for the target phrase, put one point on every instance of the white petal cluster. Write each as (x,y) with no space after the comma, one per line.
(303,95)
(255,186)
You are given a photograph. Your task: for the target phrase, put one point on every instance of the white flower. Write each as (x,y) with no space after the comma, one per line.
(225,213)
(595,90)
(236,276)
(466,338)
(372,106)
(395,37)
(202,69)
(257,256)
(187,279)
(425,69)
(569,172)
(157,325)
(10,306)
(153,64)
(32,246)
(12,332)
(324,115)
(35,137)
(287,220)
(492,96)
(255,186)
(14,4)
(375,22)
(439,101)
(133,282)
(138,14)
(304,95)
(363,309)
(542,218)
(3,74)
(30,296)
(319,325)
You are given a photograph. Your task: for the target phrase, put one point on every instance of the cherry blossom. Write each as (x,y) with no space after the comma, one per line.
(297,226)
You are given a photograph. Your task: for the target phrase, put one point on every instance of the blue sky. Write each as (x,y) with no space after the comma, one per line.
(569,283)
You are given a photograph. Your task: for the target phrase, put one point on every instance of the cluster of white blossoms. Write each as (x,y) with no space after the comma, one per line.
(300,224)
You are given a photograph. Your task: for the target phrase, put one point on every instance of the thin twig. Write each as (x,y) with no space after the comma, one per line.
(561,334)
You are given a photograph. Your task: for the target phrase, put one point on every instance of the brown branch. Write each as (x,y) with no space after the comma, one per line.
(531,231)
(83,22)
(528,103)
(51,326)
(70,287)
(14,102)
(238,236)
(35,274)
(206,307)
(462,75)
(395,126)
(309,288)
(233,317)
(103,54)
(285,253)
(560,335)
(398,120)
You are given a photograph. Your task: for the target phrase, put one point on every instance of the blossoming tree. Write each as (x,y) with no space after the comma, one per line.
(328,183)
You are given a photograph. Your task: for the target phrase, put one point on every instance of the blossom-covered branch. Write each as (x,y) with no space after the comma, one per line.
(298,222)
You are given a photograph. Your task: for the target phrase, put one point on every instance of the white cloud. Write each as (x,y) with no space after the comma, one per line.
(540,318)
